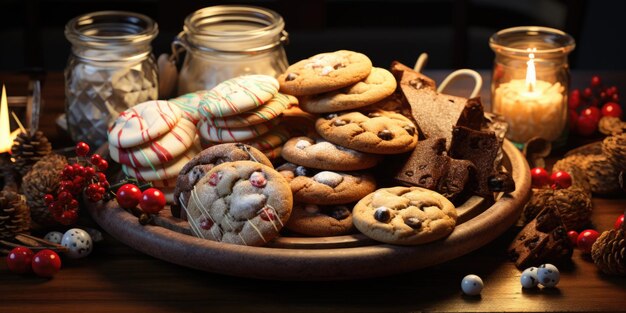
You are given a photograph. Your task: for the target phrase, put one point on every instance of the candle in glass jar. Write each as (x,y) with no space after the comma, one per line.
(532,107)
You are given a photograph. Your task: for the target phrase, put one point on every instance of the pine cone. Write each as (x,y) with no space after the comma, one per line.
(614,148)
(27,150)
(43,178)
(573,165)
(609,252)
(14,214)
(602,174)
(573,203)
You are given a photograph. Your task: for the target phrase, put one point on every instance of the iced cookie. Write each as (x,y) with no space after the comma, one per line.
(379,132)
(221,135)
(321,154)
(321,221)
(271,140)
(237,95)
(269,111)
(326,187)
(241,202)
(161,150)
(378,85)
(204,161)
(405,215)
(163,171)
(189,103)
(143,123)
(325,72)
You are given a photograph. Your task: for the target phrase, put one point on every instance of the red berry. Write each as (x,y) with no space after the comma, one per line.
(46,263)
(591,112)
(95,159)
(539,177)
(586,126)
(82,149)
(612,109)
(611,91)
(574,99)
(89,172)
(103,165)
(68,171)
(68,217)
(619,222)
(19,260)
(587,93)
(101,177)
(586,239)
(573,237)
(128,196)
(595,81)
(73,204)
(615,98)
(152,201)
(47,199)
(573,120)
(561,180)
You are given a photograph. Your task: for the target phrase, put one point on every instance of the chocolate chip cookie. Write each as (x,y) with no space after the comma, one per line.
(241,202)
(378,85)
(321,221)
(321,154)
(325,72)
(377,131)
(405,215)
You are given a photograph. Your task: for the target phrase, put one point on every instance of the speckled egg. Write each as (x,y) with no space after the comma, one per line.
(548,275)
(78,242)
(472,285)
(54,236)
(529,278)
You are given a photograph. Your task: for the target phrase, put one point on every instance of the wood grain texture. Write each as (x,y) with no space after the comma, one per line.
(116,278)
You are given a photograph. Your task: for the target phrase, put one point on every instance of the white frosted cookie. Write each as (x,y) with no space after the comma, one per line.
(237,95)
(161,150)
(222,135)
(143,123)
(189,104)
(163,171)
(241,202)
(271,140)
(268,111)
(405,215)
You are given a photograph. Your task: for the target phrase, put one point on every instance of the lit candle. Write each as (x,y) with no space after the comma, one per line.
(6,140)
(532,107)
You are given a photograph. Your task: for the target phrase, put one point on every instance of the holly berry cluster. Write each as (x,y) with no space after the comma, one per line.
(80,177)
(586,107)
(150,201)
(558,180)
(585,240)
(22,260)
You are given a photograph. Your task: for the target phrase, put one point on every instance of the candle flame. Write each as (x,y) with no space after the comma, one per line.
(6,140)
(531,75)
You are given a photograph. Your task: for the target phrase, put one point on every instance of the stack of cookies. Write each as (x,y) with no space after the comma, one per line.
(153,142)
(245,109)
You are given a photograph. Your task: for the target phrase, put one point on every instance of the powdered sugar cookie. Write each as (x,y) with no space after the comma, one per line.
(242,202)
(321,154)
(163,171)
(405,215)
(270,110)
(221,135)
(161,150)
(143,123)
(237,95)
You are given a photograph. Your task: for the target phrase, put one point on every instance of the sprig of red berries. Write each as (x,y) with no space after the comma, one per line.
(540,178)
(150,201)
(86,175)
(586,107)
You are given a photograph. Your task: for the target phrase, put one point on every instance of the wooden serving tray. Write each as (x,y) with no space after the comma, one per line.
(325,258)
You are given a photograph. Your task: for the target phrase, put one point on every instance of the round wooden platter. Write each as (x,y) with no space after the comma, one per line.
(326,258)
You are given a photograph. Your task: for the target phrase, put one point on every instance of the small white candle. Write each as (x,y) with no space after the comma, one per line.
(533,108)
(6,140)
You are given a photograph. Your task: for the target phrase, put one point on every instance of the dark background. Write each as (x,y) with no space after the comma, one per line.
(455,33)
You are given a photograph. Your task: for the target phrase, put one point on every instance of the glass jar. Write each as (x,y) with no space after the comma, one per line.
(226,41)
(530,82)
(110,69)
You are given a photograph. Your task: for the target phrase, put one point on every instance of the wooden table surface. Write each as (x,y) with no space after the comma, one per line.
(116,278)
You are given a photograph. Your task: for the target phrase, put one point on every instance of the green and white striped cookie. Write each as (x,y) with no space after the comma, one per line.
(270,110)
(222,135)
(237,95)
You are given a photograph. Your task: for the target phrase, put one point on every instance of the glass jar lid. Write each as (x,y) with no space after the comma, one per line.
(111,29)
(544,41)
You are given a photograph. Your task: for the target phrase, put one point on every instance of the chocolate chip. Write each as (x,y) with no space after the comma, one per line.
(385,134)
(291,76)
(340,122)
(301,171)
(338,66)
(330,116)
(426,180)
(382,214)
(413,222)
(409,129)
(408,173)
(374,114)
(339,213)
